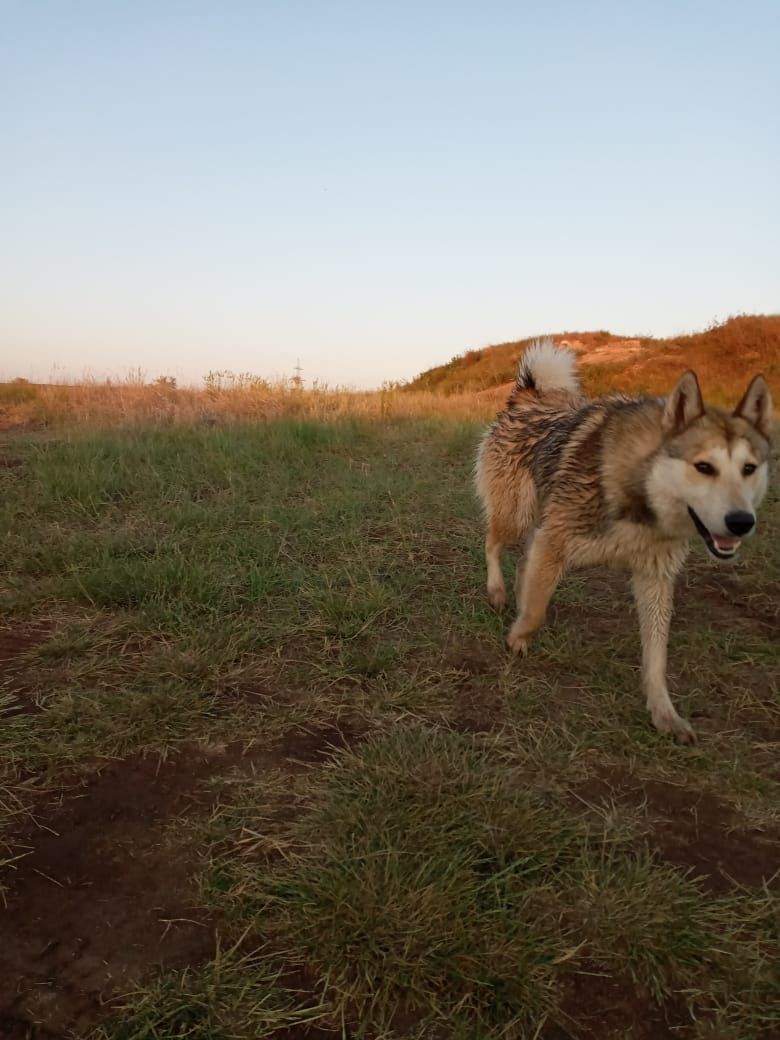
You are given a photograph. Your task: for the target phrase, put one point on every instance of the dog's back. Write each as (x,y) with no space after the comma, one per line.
(522,450)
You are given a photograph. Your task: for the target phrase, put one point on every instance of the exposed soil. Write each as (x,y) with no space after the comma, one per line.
(12,1028)
(477,709)
(693,830)
(437,554)
(719,598)
(100,899)
(313,744)
(600,1007)
(103,898)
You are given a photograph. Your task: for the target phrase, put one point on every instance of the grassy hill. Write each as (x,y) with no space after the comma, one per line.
(723,356)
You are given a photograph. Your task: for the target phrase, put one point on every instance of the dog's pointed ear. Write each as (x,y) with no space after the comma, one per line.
(756,405)
(684,404)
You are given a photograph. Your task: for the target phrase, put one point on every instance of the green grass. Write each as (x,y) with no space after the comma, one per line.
(428,875)
(453,871)
(234,996)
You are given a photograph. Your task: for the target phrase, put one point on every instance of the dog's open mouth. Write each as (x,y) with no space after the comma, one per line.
(721,545)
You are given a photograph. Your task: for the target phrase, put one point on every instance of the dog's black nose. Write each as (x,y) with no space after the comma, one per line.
(740,523)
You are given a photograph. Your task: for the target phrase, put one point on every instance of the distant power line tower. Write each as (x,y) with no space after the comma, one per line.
(297,380)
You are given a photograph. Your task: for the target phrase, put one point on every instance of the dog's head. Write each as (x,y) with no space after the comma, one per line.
(711,470)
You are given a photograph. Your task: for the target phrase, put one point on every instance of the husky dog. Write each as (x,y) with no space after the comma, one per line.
(621,481)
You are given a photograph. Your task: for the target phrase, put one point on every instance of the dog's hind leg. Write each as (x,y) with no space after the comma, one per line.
(524,524)
(542,570)
(496,540)
(510,508)
(654,596)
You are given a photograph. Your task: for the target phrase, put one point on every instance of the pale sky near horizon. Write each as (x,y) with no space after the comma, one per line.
(376,187)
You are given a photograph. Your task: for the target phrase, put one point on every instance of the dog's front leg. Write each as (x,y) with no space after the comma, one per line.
(654,596)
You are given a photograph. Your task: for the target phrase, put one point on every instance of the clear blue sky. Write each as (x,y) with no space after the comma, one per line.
(375,187)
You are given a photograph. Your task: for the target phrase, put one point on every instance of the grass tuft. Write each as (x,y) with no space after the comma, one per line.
(236,996)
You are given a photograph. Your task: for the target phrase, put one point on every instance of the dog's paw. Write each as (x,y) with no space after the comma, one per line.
(497,598)
(517,642)
(677,727)
(684,733)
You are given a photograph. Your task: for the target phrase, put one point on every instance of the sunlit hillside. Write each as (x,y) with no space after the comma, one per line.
(723,355)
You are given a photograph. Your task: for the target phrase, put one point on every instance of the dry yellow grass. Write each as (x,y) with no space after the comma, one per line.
(107,404)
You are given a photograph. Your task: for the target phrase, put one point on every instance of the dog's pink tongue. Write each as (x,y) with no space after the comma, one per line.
(724,542)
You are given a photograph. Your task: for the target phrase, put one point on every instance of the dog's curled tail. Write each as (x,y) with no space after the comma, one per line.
(545,368)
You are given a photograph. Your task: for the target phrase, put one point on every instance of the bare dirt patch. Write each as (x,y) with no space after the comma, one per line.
(12,1028)
(313,744)
(437,554)
(479,706)
(613,1007)
(693,830)
(102,898)
(719,598)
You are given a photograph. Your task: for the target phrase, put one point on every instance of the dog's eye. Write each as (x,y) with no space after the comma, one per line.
(705,468)
(748,468)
